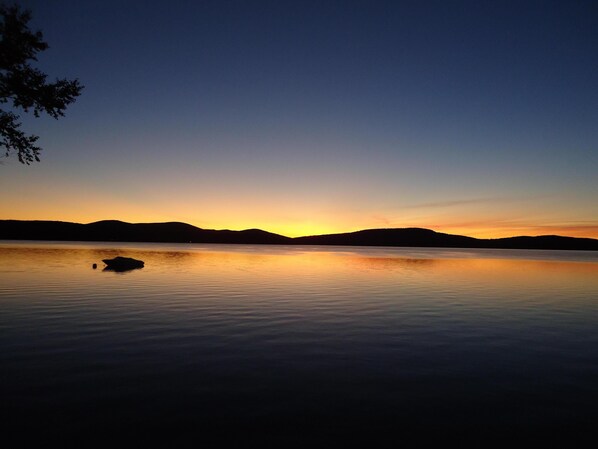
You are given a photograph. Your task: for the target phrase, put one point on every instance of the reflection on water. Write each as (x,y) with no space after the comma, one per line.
(298,341)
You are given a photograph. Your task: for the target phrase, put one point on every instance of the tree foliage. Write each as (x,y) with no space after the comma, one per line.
(24,87)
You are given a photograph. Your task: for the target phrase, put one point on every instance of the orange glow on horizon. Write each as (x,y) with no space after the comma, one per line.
(513,231)
(309,228)
(292,219)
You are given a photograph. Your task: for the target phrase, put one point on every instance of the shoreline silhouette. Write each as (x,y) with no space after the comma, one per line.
(176,232)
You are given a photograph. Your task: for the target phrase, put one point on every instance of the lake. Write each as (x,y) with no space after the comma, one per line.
(288,344)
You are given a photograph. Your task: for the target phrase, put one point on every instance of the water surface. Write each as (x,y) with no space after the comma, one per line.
(275,342)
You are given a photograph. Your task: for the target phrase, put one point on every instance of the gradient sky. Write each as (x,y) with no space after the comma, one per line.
(304,117)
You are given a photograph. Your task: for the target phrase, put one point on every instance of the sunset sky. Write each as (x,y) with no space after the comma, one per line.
(310,117)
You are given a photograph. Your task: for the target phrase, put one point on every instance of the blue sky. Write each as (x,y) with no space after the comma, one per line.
(309,117)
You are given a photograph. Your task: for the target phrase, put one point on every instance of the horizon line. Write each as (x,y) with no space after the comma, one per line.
(300,236)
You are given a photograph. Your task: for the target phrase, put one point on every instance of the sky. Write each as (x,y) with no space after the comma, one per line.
(311,117)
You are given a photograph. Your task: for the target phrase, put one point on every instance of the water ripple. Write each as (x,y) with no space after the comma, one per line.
(259,336)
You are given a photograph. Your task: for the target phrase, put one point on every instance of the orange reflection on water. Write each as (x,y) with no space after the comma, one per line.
(508,273)
(181,266)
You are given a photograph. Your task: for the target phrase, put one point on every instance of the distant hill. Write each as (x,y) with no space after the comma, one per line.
(391,237)
(119,231)
(428,238)
(174,232)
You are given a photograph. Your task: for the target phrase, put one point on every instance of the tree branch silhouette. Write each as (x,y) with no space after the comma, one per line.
(25,87)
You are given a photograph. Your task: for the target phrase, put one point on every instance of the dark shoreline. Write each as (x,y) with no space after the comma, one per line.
(118,231)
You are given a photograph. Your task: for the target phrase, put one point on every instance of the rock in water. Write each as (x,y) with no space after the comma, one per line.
(122,263)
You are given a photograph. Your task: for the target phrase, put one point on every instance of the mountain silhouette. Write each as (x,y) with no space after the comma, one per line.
(391,237)
(428,238)
(175,232)
(119,231)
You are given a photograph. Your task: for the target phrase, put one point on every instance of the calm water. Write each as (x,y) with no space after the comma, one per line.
(291,343)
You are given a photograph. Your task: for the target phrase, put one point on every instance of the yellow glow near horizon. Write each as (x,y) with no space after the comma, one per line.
(292,219)
(298,229)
